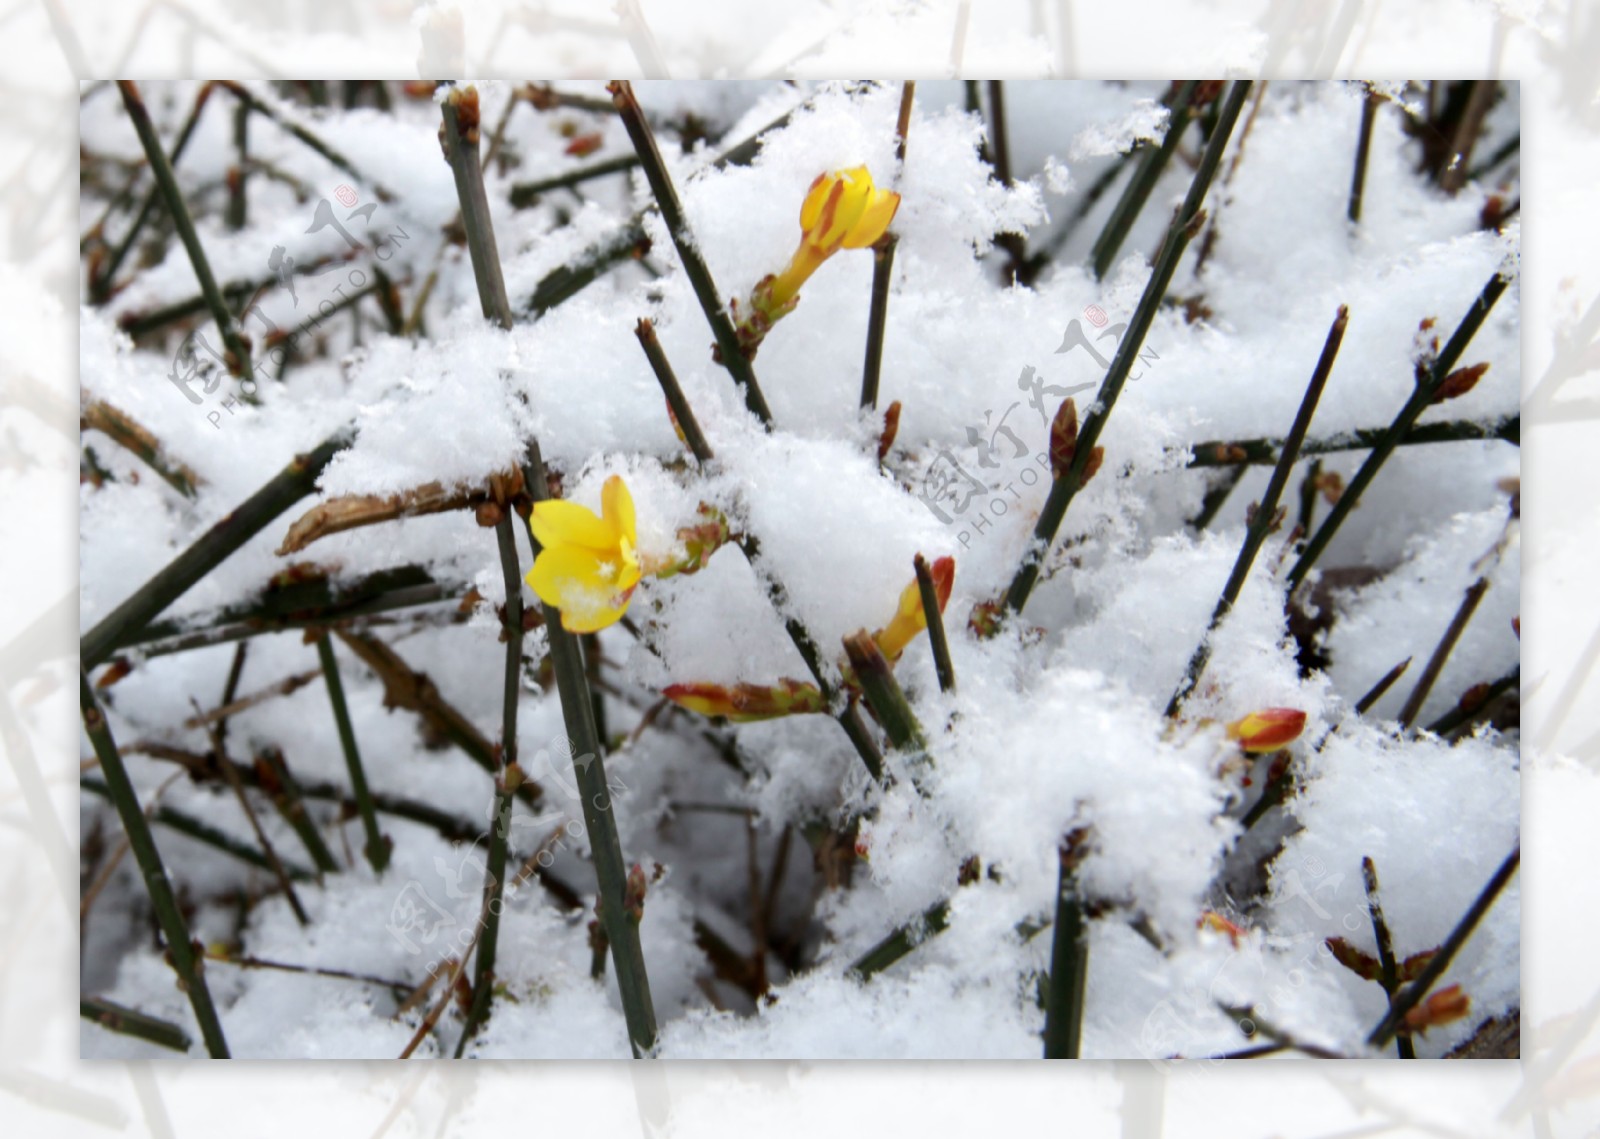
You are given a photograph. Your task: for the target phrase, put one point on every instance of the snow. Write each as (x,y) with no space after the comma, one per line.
(1057,723)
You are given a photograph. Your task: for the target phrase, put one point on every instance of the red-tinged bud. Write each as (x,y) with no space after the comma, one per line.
(984,620)
(584,145)
(863,850)
(1460,382)
(1358,961)
(1268,730)
(1092,467)
(1516,627)
(1063,438)
(891,428)
(746,702)
(120,667)
(1411,968)
(1447,1005)
(633,893)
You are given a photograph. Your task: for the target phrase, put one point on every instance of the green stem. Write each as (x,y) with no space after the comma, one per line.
(936,638)
(884,695)
(1358,180)
(1441,653)
(180,948)
(101,286)
(621,927)
(1069,965)
(1389,975)
(1266,515)
(1145,177)
(239,365)
(1419,402)
(460,114)
(1185,223)
(377,848)
(900,942)
(249,99)
(202,832)
(321,601)
(495,869)
(1375,693)
(290,800)
(694,266)
(131,1022)
(676,400)
(1408,997)
(1265,451)
(286,488)
(883,265)
(524,194)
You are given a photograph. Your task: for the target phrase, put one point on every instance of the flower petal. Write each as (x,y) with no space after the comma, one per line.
(816,196)
(874,219)
(583,587)
(557,522)
(617,505)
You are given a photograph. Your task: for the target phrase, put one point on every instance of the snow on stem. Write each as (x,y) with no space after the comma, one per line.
(1145,177)
(884,695)
(1265,519)
(122,428)
(181,951)
(257,512)
(126,1021)
(1185,224)
(729,351)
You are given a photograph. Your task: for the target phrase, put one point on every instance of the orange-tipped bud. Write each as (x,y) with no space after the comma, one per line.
(909,617)
(1064,438)
(1268,730)
(1216,923)
(745,702)
(1446,1005)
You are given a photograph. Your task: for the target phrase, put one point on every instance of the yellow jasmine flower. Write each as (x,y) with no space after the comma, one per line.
(1268,729)
(910,619)
(842,210)
(588,563)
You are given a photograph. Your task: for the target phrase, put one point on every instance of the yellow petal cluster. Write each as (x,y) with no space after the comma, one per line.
(588,563)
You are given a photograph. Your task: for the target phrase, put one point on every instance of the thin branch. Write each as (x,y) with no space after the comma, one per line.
(1069,961)
(1265,451)
(936,638)
(304,135)
(883,264)
(126,1021)
(901,941)
(1389,975)
(180,948)
(1185,223)
(1145,177)
(122,428)
(884,695)
(1375,693)
(1265,519)
(1416,990)
(1421,399)
(237,351)
(1358,180)
(236,528)
(1441,653)
(705,289)
(460,113)
(676,400)
(378,845)
(483,974)
(620,924)
(524,194)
